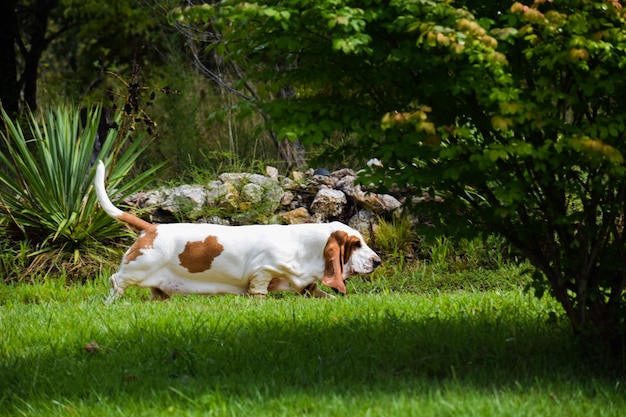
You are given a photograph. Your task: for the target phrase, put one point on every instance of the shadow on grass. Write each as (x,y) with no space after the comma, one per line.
(373,352)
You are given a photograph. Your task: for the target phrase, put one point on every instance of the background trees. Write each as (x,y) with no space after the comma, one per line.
(90,52)
(513,114)
(67,42)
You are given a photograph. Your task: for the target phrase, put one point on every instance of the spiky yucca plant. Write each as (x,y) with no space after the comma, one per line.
(46,186)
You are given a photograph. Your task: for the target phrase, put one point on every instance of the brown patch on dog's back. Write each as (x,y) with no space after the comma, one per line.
(145,241)
(199,255)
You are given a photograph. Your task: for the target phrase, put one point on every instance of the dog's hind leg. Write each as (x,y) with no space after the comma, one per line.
(116,290)
(260,283)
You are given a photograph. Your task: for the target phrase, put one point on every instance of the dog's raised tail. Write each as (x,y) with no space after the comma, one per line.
(103,198)
(108,206)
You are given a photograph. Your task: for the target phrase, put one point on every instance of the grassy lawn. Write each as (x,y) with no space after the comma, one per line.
(380,351)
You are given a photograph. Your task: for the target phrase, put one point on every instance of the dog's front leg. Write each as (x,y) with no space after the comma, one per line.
(312,290)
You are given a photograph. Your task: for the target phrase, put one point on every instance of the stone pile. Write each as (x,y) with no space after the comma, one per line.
(244,198)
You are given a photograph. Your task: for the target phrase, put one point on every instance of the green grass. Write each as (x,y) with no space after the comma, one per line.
(456,350)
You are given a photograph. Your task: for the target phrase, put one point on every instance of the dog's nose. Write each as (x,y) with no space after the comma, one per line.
(376,262)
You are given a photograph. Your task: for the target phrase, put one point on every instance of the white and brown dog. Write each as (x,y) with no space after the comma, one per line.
(201,258)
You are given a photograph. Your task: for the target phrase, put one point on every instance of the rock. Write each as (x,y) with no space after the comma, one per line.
(299,201)
(216,220)
(187,199)
(245,198)
(297,176)
(255,188)
(328,203)
(322,171)
(151,199)
(252,193)
(244,206)
(237,179)
(288,184)
(388,204)
(347,185)
(426,198)
(272,195)
(322,180)
(377,203)
(263,181)
(287,198)
(222,195)
(344,172)
(297,216)
(365,222)
(271,172)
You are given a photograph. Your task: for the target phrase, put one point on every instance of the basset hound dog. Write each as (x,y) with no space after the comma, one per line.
(186,258)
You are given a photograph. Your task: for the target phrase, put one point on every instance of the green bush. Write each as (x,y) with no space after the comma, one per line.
(46,196)
(400,239)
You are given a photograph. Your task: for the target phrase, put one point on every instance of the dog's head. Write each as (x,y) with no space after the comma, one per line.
(347,254)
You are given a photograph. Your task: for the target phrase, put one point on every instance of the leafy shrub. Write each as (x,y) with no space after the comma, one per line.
(396,238)
(46,196)
(399,239)
(489,252)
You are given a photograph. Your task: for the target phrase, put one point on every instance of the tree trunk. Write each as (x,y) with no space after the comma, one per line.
(9,87)
(601,329)
(597,318)
(38,43)
(293,153)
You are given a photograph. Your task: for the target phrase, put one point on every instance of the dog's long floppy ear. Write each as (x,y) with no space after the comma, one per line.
(333,261)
